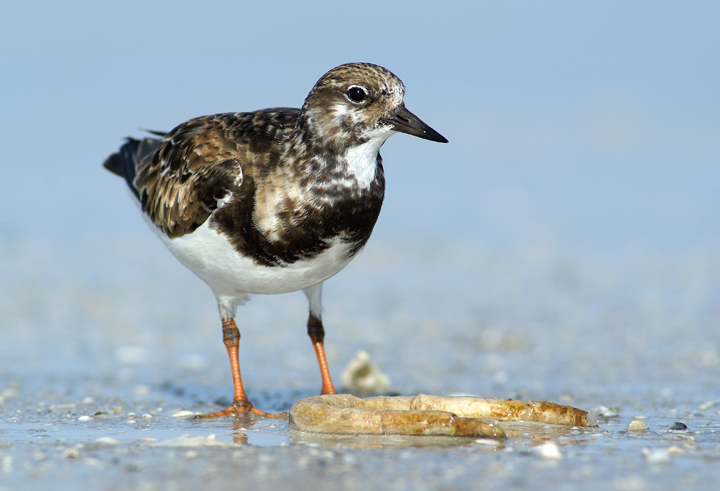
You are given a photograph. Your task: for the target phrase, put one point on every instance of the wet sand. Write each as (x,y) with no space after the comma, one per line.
(103,347)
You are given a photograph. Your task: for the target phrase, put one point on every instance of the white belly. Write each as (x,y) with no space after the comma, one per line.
(211,257)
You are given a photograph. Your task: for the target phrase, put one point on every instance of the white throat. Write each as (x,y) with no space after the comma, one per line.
(361,160)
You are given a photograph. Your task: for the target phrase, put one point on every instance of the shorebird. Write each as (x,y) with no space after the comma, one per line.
(272,201)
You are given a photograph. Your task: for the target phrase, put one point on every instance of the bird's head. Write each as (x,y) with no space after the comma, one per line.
(358,102)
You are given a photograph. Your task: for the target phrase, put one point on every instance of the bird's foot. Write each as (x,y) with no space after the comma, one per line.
(240,408)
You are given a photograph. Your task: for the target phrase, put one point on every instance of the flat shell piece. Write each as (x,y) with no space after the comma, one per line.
(423,415)
(504,409)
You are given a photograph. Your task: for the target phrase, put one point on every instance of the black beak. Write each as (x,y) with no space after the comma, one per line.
(406,122)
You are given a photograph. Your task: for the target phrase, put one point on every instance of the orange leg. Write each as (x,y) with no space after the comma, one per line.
(240,404)
(317,335)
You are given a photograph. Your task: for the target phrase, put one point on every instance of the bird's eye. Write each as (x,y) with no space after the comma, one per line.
(357,94)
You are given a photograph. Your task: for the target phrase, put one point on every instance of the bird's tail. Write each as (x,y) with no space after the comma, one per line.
(125,162)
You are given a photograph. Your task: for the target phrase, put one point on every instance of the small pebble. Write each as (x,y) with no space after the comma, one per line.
(548,450)
(656,456)
(361,376)
(142,390)
(9,392)
(678,426)
(106,440)
(675,450)
(92,462)
(637,426)
(606,412)
(70,405)
(85,418)
(183,414)
(70,453)
(6,464)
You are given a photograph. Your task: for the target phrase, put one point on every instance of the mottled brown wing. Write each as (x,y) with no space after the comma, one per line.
(195,165)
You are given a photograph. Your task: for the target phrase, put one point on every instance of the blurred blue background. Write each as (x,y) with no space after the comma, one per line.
(578,198)
(595,124)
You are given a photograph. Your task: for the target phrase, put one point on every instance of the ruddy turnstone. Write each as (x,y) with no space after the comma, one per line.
(276,200)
